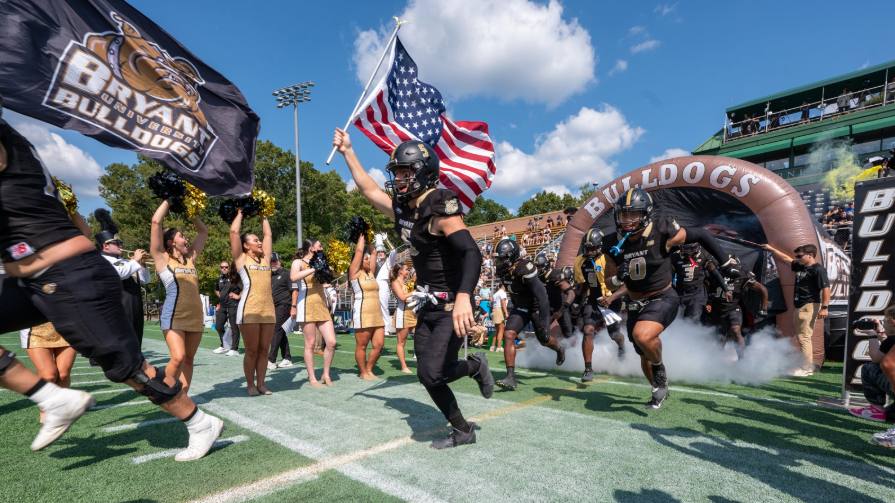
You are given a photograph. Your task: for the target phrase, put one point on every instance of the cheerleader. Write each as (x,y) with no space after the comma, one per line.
(310,311)
(51,355)
(366,315)
(182,318)
(255,313)
(498,317)
(405,320)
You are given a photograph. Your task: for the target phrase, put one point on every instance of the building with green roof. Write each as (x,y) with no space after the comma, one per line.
(783,132)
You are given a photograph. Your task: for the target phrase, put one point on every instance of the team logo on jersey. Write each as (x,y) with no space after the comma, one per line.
(451,206)
(130,87)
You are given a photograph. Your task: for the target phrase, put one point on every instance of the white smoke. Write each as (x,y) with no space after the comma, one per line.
(690,351)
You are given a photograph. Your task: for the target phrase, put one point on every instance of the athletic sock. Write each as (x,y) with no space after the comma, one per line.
(588,366)
(459,423)
(194,420)
(510,371)
(42,393)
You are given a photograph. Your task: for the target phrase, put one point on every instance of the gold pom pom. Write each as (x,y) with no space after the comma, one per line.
(267,202)
(339,255)
(194,200)
(69,199)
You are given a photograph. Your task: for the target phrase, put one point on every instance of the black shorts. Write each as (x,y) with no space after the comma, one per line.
(591,315)
(725,318)
(661,308)
(693,303)
(81,296)
(520,317)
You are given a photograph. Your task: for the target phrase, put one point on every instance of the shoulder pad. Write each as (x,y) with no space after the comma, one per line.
(668,225)
(525,269)
(442,202)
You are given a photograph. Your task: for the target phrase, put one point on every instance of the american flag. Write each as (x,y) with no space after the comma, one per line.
(402,107)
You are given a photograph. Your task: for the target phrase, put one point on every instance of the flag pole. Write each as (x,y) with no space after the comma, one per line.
(363,93)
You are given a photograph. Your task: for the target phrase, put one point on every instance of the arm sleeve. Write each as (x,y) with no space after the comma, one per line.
(822,280)
(470,258)
(707,241)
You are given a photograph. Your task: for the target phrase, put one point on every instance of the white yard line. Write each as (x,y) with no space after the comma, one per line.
(139,401)
(141,424)
(170,453)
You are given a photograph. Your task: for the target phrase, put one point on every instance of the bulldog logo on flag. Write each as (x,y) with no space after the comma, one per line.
(104,69)
(132,88)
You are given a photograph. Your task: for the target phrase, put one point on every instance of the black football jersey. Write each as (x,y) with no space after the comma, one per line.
(31,215)
(433,259)
(647,258)
(740,287)
(689,272)
(519,283)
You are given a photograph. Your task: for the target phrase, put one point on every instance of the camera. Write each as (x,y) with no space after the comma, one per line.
(864,324)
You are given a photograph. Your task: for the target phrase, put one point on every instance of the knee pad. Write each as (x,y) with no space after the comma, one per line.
(6,361)
(155,388)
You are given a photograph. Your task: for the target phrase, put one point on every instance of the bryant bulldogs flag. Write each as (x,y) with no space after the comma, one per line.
(401,108)
(102,68)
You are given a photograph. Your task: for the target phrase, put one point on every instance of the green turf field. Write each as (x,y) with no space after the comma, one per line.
(553,440)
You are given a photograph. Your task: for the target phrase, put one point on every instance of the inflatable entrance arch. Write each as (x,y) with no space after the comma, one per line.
(715,188)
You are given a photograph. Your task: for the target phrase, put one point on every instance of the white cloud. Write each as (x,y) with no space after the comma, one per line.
(670,154)
(664,9)
(376,174)
(507,49)
(620,66)
(64,160)
(578,150)
(647,45)
(636,30)
(559,190)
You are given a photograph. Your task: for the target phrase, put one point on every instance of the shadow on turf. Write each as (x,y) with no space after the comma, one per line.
(785,456)
(596,401)
(651,495)
(425,421)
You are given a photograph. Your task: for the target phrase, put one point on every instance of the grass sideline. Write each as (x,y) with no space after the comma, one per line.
(554,439)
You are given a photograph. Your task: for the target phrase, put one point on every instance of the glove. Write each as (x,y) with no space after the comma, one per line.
(731,267)
(419,298)
(622,271)
(762,312)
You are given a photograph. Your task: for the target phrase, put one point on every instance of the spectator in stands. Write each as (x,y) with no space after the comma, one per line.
(878,387)
(850,210)
(842,100)
(549,221)
(525,239)
(888,166)
(503,231)
(498,317)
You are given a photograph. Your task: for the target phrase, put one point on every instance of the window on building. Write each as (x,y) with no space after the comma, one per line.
(866,147)
(777,164)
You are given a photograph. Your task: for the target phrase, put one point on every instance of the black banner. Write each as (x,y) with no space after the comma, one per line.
(102,68)
(873,268)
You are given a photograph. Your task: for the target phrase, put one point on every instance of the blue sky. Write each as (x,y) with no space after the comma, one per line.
(585,91)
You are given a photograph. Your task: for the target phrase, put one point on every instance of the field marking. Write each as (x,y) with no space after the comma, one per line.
(141,424)
(93,372)
(342,463)
(170,453)
(139,401)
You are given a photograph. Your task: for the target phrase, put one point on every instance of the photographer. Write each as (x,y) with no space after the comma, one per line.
(877,386)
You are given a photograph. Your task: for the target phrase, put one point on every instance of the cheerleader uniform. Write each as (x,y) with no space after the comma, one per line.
(404,317)
(366,312)
(42,336)
(182,309)
(311,305)
(256,303)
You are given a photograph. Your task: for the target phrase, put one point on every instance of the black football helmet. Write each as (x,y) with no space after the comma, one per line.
(690,249)
(542,263)
(637,203)
(419,157)
(561,274)
(506,253)
(593,241)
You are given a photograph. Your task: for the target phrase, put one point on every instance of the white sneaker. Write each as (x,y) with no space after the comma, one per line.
(202,439)
(59,416)
(219,350)
(888,435)
(271,366)
(232,352)
(285,364)
(801,373)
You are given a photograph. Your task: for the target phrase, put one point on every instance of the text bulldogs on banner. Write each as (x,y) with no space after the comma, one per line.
(102,68)
(873,269)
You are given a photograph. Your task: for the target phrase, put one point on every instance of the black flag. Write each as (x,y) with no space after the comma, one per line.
(102,68)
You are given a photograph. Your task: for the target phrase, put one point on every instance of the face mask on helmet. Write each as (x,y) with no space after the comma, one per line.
(505,255)
(542,263)
(412,169)
(633,211)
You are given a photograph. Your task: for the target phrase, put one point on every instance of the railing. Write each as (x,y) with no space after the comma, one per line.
(826,108)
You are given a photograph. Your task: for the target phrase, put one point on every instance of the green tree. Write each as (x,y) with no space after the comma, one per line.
(544,201)
(486,211)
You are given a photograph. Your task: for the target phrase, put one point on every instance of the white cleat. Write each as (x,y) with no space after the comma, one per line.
(284,364)
(232,352)
(271,366)
(71,405)
(219,350)
(201,440)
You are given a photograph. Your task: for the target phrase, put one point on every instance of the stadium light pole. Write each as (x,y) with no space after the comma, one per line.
(293,95)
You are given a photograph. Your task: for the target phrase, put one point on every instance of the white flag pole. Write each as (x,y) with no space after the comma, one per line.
(363,94)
